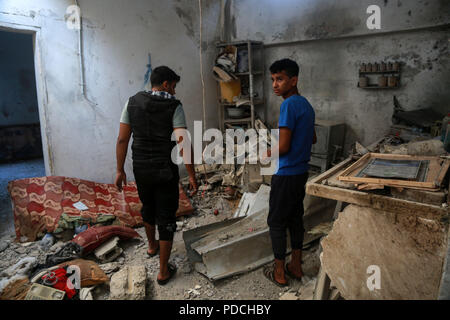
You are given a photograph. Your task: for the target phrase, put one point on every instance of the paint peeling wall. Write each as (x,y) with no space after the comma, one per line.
(118,36)
(330,39)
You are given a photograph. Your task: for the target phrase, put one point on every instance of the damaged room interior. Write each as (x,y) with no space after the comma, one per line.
(224,150)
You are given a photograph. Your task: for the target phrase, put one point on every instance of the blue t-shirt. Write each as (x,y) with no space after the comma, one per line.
(297,114)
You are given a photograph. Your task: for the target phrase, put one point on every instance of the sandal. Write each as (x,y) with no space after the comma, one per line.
(269,274)
(155,253)
(172,270)
(290,274)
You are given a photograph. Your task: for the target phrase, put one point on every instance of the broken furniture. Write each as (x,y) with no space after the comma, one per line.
(248,59)
(241,244)
(411,171)
(407,239)
(330,143)
(108,251)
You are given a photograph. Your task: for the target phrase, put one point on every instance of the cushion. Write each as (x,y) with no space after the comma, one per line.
(93,237)
(91,273)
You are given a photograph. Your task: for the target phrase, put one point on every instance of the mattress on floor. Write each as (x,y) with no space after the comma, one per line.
(38,203)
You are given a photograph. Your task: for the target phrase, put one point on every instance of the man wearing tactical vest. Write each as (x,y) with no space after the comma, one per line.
(152,117)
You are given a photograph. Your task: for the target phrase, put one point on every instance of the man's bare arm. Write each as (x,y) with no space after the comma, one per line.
(121,154)
(284,143)
(188,161)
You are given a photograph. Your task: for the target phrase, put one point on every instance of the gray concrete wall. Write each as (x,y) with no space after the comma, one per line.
(18,99)
(330,39)
(118,35)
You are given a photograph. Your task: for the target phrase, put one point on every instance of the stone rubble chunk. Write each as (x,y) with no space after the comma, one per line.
(109,267)
(129,283)
(4,245)
(289,296)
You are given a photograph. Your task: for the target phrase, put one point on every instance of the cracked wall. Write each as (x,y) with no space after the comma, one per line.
(330,39)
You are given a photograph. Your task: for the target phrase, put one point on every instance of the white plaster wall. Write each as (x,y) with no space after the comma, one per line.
(330,39)
(118,35)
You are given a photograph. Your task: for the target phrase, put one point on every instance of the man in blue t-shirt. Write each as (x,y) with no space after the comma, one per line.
(296,136)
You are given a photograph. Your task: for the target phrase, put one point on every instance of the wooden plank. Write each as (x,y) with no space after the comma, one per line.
(376,201)
(331,171)
(422,196)
(322,290)
(390,182)
(363,160)
(443,172)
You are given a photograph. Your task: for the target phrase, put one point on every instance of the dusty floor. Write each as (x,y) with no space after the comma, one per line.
(187,284)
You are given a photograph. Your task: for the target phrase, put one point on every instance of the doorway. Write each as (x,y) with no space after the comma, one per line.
(21,152)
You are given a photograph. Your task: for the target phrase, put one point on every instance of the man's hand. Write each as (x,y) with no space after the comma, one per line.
(193,187)
(121,177)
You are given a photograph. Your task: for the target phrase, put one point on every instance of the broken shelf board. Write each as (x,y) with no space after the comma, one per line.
(316,188)
(436,172)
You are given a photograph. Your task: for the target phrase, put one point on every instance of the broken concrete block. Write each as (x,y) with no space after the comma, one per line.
(426,148)
(261,200)
(129,283)
(108,251)
(109,267)
(244,204)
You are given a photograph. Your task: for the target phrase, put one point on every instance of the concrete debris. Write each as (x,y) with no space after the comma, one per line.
(129,283)
(322,229)
(86,293)
(193,291)
(216,178)
(205,187)
(360,149)
(110,267)
(4,245)
(229,179)
(426,148)
(18,271)
(306,292)
(244,204)
(187,268)
(109,250)
(20,250)
(253,202)
(289,296)
(222,206)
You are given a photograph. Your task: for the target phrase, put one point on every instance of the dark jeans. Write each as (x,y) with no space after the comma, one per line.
(286,212)
(159,197)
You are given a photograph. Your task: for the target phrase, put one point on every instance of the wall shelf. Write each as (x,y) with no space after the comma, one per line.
(250,80)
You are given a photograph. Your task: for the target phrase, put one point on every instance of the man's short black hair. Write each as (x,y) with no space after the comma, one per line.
(161,74)
(287,65)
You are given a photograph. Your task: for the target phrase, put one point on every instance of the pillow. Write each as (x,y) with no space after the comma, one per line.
(91,273)
(95,236)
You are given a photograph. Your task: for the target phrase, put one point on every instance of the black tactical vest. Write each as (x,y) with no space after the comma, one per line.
(151,124)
